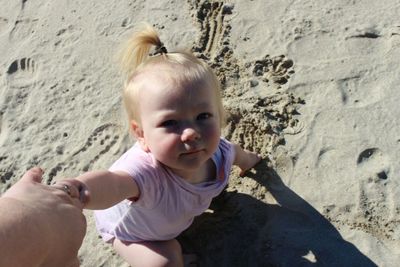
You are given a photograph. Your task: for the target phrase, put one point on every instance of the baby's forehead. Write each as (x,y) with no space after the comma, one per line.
(155,73)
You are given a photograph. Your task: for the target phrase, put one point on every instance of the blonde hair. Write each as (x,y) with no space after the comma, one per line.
(185,69)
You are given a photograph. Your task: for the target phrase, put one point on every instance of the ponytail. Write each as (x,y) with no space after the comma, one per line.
(136,50)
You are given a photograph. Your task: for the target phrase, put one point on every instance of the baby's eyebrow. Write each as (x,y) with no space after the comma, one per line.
(167,113)
(204,105)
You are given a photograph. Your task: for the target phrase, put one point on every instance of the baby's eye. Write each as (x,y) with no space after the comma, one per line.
(169,123)
(204,116)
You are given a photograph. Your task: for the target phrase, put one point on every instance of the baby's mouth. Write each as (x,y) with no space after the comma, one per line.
(192,151)
(190,148)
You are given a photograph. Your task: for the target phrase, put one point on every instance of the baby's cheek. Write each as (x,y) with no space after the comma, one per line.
(212,135)
(165,147)
(212,131)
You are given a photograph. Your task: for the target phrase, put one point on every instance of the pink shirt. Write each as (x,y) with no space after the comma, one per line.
(167,203)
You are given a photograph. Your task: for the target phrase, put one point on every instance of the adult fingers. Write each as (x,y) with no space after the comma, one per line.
(84,195)
(74,189)
(23,186)
(77,189)
(33,175)
(77,203)
(69,186)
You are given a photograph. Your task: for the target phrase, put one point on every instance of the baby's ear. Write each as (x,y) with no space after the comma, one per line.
(137,132)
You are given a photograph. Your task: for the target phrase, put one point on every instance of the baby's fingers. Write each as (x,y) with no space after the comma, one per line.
(251,160)
(70,186)
(84,195)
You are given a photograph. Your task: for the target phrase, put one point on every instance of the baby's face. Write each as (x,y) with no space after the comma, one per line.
(181,126)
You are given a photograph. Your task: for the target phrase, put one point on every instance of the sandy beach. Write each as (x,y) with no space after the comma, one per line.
(312,86)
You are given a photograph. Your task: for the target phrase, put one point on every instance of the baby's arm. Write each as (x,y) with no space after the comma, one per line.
(103,189)
(245,159)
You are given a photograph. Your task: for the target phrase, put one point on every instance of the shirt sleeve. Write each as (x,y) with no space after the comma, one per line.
(228,150)
(143,169)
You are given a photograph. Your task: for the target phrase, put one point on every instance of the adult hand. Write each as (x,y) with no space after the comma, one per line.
(40,225)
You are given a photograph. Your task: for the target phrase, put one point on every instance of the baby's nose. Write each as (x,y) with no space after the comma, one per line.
(190,134)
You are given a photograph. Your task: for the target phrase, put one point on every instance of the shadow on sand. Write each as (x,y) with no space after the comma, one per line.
(244,231)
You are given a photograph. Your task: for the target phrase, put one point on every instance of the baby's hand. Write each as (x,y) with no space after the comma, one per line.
(74,188)
(249,162)
(245,159)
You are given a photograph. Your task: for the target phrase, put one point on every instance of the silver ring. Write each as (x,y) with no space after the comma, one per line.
(66,189)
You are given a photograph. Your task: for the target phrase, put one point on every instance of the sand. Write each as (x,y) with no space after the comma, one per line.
(312,86)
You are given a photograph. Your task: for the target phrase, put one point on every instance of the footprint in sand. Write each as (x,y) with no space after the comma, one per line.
(23,64)
(374,198)
(372,161)
(20,76)
(22,72)
(373,207)
(100,142)
(360,91)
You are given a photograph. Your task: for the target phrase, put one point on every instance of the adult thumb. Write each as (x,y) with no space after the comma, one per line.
(33,175)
